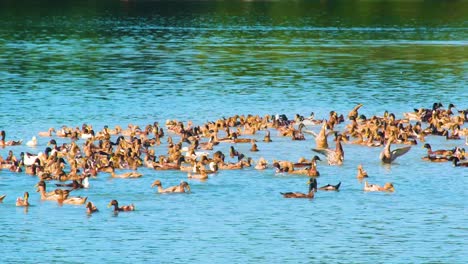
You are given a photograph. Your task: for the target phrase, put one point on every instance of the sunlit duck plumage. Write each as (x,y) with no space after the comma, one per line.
(63,198)
(321,139)
(23,201)
(336,156)
(32,142)
(261,164)
(124,208)
(200,176)
(388,187)
(354,113)
(46,134)
(361,172)
(41,188)
(181,188)
(91,208)
(131,174)
(388,156)
(441,152)
(330,187)
(312,188)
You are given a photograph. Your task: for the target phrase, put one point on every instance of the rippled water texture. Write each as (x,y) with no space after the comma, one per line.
(120,62)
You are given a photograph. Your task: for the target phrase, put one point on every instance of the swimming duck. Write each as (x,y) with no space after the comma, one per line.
(23,201)
(63,198)
(124,208)
(74,185)
(4,143)
(29,159)
(388,156)
(2,197)
(388,187)
(131,174)
(173,189)
(457,163)
(200,176)
(330,187)
(361,172)
(267,137)
(254,147)
(41,188)
(441,152)
(48,133)
(312,188)
(32,142)
(261,164)
(91,208)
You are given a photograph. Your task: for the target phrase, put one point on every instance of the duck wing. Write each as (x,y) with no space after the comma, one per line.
(399,152)
(326,152)
(330,187)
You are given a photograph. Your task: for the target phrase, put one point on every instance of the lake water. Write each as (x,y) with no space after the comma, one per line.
(115,63)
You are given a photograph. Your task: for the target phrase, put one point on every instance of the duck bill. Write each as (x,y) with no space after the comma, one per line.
(188,188)
(109,205)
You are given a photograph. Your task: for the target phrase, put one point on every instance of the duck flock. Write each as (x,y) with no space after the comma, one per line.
(194,150)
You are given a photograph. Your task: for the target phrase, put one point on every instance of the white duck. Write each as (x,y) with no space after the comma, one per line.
(32,142)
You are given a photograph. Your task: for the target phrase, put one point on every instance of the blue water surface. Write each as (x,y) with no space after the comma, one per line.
(121,62)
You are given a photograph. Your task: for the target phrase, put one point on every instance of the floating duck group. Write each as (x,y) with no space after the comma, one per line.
(87,154)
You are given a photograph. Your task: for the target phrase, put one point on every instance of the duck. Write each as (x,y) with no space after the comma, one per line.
(388,156)
(361,172)
(388,187)
(29,159)
(312,189)
(261,164)
(267,137)
(46,134)
(131,174)
(321,139)
(50,196)
(63,198)
(254,147)
(4,143)
(23,201)
(330,187)
(441,152)
(353,114)
(91,208)
(74,185)
(457,163)
(85,182)
(2,197)
(173,189)
(200,176)
(336,156)
(124,208)
(32,142)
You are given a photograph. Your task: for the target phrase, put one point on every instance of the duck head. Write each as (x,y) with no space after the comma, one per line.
(156,183)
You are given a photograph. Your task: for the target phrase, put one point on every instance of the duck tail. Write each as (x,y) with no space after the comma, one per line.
(337,187)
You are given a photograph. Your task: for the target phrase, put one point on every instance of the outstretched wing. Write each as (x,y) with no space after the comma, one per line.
(326,152)
(399,152)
